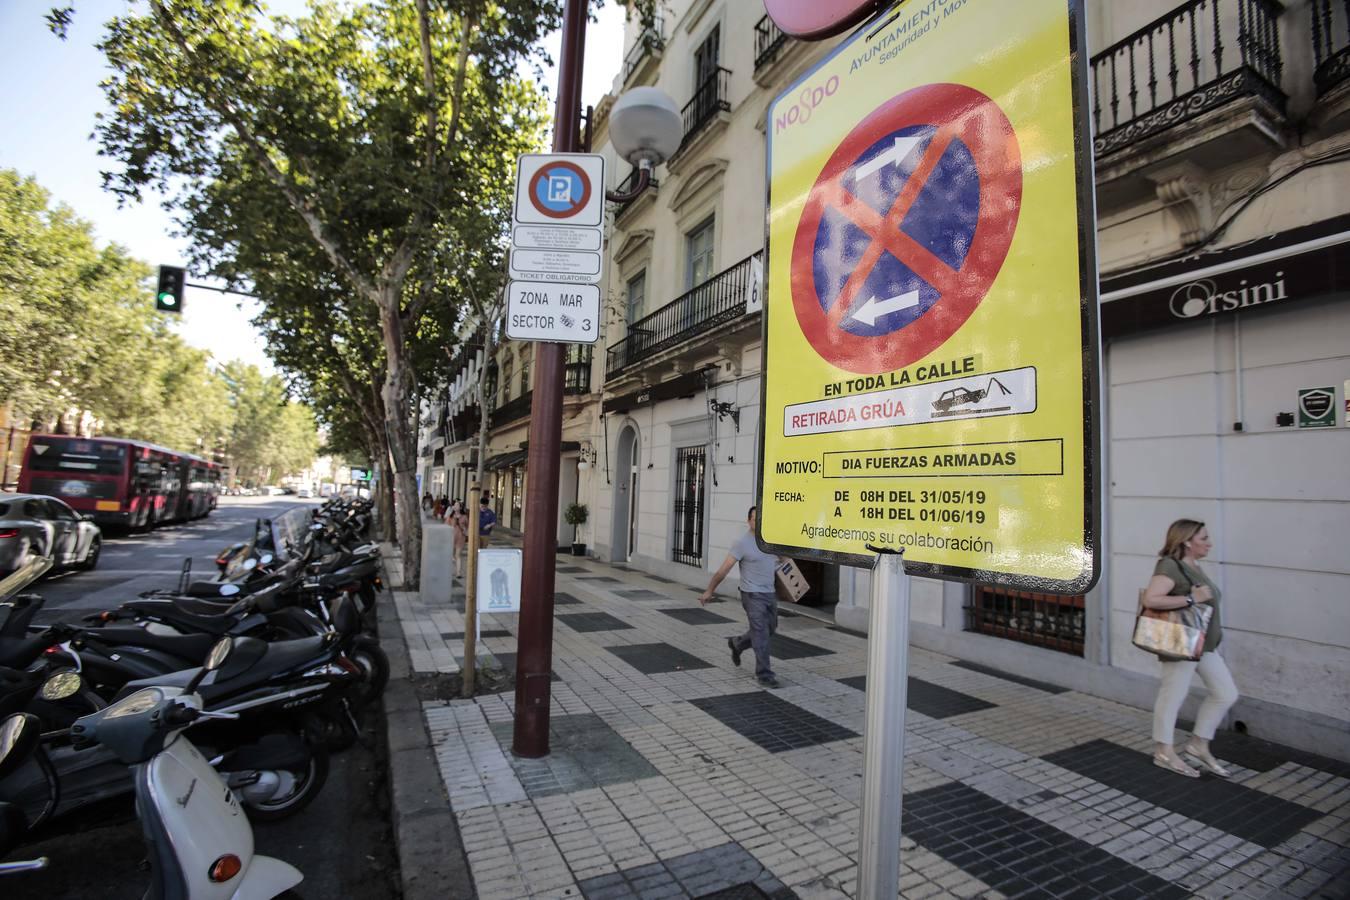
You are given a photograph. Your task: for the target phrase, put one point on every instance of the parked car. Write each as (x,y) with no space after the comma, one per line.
(304,493)
(37,525)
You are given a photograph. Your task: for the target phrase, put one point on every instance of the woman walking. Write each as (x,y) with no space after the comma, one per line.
(1178,582)
(458,519)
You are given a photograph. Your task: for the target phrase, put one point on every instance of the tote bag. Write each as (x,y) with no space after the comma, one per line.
(1173,634)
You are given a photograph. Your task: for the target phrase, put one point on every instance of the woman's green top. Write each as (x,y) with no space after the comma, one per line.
(1185,577)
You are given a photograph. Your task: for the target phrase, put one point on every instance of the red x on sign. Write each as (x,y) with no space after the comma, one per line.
(906,228)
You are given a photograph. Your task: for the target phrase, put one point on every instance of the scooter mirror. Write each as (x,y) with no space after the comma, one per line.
(19,734)
(250,565)
(61,686)
(229,590)
(266,558)
(220,652)
(24,575)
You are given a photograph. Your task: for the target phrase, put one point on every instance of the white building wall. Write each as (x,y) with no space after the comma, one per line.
(1277,500)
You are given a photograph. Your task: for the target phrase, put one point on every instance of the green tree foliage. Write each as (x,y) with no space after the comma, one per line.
(340,157)
(271,435)
(81,347)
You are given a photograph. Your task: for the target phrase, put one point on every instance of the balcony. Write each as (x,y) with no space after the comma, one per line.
(710,99)
(1156,86)
(717,301)
(637,202)
(1331,44)
(576,381)
(641,59)
(768,41)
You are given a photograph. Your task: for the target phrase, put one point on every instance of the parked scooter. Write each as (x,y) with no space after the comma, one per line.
(199,841)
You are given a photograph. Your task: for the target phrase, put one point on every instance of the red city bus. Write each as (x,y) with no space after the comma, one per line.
(121,483)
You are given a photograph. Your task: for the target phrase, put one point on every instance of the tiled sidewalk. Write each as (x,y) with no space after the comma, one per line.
(673,775)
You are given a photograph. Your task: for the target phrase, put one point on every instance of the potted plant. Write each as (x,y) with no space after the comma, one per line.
(576,515)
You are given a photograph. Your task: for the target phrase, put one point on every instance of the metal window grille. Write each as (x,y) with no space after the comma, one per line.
(690,467)
(1044,620)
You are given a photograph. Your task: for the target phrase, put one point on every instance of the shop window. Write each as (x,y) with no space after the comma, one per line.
(1045,620)
(690,489)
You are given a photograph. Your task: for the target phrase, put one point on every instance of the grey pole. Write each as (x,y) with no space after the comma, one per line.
(884,734)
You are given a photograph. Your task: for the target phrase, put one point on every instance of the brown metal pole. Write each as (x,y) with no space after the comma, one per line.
(534,661)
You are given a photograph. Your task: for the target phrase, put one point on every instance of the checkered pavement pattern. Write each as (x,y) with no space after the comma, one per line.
(673,775)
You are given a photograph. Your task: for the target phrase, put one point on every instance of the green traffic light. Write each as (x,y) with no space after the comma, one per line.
(167,299)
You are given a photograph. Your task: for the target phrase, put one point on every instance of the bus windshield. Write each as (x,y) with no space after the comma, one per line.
(73,455)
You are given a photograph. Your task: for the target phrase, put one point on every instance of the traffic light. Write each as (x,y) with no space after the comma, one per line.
(169,296)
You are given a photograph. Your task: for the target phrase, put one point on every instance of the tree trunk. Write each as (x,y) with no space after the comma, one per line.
(402,438)
(377,449)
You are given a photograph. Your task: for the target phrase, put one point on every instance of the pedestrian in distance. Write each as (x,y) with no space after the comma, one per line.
(1178,582)
(758,599)
(458,519)
(426,502)
(487,519)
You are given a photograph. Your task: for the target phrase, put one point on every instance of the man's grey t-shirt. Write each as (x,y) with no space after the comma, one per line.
(756,565)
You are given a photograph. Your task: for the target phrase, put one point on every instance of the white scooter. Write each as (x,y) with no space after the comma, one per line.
(200,842)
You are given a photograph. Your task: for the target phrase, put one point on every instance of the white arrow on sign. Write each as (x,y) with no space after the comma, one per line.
(874,309)
(901,149)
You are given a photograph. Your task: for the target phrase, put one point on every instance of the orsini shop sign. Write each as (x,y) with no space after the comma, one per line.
(1206,296)
(1177,297)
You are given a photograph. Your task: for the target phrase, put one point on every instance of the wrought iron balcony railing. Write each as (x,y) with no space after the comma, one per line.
(648,42)
(769,39)
(627,187)
(715,302)
(576,380)
(1331,43)
(709,99)
(511,410)
(1196,58)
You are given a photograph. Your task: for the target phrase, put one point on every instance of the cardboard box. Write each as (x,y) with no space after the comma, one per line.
(789,582)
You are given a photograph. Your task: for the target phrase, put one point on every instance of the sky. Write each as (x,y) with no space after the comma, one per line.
(48,101)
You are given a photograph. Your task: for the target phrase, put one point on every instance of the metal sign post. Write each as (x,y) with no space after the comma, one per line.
(884,734)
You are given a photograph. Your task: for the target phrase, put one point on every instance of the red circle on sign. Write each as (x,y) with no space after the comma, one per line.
(576,206)
(815,19)
(956,112)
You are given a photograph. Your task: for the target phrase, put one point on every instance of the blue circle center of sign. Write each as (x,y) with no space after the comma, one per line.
(941,219)
(560,190)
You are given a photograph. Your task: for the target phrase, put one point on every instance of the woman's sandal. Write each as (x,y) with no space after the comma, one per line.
(1174,764)
(1206,760)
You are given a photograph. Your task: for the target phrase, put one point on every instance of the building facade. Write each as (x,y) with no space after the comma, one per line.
(1222,155)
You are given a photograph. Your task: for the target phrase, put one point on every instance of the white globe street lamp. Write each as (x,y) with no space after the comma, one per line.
(645,127)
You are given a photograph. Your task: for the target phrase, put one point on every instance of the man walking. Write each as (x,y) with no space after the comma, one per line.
(757,598)
(487,519)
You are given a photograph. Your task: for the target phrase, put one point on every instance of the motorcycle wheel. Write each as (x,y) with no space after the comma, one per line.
(367,653)
(308,782)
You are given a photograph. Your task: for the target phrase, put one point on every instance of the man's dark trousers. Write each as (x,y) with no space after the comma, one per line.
(761,610)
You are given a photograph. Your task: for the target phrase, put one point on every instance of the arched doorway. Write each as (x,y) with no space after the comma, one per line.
(624,527)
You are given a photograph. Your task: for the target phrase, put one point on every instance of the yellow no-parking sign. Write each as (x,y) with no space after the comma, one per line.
(930,366)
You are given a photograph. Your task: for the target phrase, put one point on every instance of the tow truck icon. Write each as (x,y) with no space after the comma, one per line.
(947,404)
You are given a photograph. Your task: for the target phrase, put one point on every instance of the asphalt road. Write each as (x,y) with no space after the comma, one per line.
(342,842)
